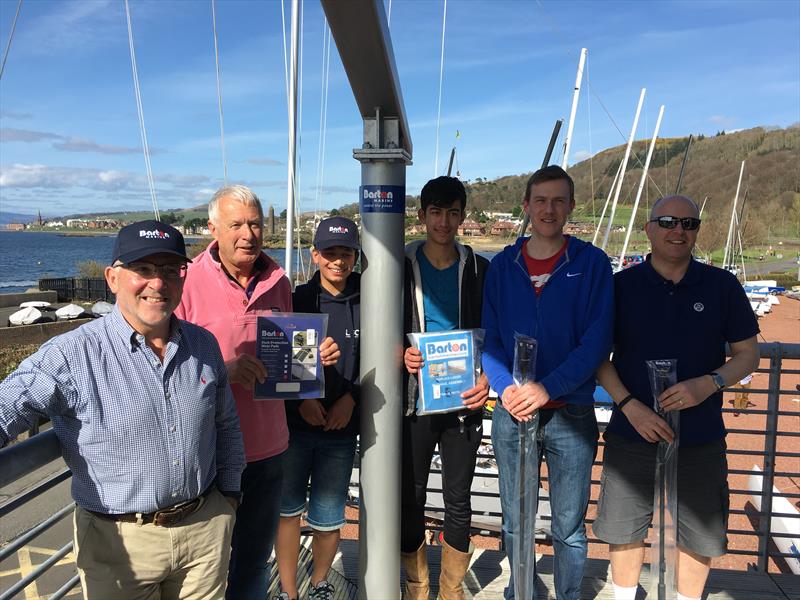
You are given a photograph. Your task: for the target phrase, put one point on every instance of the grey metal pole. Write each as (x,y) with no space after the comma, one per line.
(683,166)
(382,205)
(450,164)
(770,446)
(292,153)
(361,33)
(548,153)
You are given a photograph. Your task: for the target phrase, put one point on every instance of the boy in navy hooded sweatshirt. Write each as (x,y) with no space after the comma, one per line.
(322,432)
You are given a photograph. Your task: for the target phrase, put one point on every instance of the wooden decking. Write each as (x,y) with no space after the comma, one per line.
(488,575)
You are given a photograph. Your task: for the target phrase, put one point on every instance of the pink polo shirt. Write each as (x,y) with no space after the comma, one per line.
(213,300)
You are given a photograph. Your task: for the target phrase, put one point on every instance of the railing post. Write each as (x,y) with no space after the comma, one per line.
(770,445)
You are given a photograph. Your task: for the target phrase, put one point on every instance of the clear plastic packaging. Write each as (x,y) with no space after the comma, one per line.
(664,547)
(524,545)
(452,366)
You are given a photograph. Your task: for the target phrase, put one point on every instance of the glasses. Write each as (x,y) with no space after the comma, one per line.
(668,222)
(147,270)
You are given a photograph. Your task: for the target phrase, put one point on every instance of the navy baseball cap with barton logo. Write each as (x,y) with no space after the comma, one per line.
(336,231)
(142,239)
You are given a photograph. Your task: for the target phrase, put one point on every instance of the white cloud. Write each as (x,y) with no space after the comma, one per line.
(267,162)
(9,134)
(10,114)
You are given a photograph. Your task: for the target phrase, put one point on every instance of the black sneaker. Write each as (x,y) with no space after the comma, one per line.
(322,591)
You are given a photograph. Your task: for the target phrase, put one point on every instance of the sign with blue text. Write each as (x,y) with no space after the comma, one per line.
(382,199)
(288,346)
(448,370)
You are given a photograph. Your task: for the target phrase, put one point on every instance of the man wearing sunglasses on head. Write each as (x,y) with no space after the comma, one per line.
(671,307)
(141,406)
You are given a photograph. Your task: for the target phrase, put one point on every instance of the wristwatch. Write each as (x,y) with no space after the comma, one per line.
(718,380)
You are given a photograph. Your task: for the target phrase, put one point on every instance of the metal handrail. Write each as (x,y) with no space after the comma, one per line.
(25,457)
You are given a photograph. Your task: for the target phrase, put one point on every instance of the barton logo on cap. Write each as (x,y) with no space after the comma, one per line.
(339,229)
(154,234)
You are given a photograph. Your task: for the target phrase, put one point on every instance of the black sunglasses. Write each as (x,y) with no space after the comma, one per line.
(668,222)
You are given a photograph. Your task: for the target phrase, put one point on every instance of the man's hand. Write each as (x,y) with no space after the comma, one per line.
(340,413)
(413,360)
(647,423)
(525,400)
(686,394)
(246,370)
(329,352)
(312,412)
(475,397)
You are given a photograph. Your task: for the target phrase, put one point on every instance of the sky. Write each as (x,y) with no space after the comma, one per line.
(69,132)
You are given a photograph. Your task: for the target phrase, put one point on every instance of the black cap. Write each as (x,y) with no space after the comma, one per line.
(145,238)
(336,231)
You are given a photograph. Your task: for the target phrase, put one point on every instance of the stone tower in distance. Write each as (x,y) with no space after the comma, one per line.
(271,220)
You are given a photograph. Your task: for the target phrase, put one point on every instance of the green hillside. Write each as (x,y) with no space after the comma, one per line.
(771,182)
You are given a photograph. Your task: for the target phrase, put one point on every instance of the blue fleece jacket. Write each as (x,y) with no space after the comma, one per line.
(572,319)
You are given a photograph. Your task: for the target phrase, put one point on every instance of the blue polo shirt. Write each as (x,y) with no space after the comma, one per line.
(439,294)
(691,321)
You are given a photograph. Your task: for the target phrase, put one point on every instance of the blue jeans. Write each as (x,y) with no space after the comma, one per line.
(567,438)
(256,526)
(326,458)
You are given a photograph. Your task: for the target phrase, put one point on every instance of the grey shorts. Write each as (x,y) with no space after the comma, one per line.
(625,508)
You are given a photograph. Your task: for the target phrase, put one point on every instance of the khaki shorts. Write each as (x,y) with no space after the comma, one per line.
(625,508)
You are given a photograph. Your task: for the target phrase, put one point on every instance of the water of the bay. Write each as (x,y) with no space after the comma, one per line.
(26,257)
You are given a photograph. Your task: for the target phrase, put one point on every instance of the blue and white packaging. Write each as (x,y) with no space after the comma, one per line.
(451,363)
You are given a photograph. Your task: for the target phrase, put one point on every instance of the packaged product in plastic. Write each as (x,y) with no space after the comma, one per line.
(664,547)
(452,366)
(524,545)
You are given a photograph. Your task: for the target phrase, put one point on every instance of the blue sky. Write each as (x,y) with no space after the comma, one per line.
(70,138)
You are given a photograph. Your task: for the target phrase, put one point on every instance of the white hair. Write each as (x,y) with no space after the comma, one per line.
(239,193)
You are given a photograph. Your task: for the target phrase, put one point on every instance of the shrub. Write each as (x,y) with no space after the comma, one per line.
(90,269)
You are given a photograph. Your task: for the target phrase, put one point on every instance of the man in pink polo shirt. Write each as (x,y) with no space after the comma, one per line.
(228,287)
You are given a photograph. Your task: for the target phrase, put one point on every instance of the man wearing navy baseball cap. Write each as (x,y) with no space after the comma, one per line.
(141,405)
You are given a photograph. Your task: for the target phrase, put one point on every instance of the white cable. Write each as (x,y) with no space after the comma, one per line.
(439,110)
(11,37)
(140,110)
(219,93)
(285,57)
(300,265)
(323,117)
(389,16)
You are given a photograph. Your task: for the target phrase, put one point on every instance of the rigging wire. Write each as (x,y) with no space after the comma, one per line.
(389,16)
(140,110)
(323,116)
(10,37)
(591,152)
(299,132)
(285,57)
(439,110)
(219,92)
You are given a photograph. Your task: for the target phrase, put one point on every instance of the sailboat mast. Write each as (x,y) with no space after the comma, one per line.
(605,206)
(292,154)
(575,95)
(729,240)
(641,186)
(624,165)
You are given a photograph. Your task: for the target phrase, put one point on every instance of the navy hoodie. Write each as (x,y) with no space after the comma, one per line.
(344,323)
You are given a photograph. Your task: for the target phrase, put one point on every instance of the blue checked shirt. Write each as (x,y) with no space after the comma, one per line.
(138,435)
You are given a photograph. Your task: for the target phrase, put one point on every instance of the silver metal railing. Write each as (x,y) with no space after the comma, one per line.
(23,458)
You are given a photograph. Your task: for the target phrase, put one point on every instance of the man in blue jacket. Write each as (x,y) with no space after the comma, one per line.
(558,290)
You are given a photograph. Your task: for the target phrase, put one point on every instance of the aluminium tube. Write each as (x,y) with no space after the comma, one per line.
(292,152)
(575,96)
(624,166)
(641,187)
(381,352)
(546,161)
